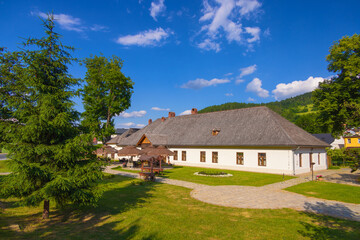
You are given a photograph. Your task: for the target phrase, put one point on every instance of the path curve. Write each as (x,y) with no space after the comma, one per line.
(266,197)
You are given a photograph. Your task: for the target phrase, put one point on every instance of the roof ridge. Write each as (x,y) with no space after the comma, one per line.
(236,109)
(281,127)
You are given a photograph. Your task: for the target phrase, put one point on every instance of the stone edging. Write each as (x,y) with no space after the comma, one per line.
(227,175)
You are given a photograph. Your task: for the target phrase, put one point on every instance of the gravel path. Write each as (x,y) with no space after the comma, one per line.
(266,197)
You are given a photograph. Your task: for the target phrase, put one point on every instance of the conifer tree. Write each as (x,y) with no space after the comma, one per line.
(51,159)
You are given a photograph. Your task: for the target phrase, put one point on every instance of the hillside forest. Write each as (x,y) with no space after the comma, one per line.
(299,110)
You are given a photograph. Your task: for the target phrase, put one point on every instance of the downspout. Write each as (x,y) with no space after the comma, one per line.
(294,160)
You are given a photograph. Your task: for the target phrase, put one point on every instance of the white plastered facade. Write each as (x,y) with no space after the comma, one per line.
(279,161)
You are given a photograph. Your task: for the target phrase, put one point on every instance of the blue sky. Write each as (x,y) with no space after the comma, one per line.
(195,53)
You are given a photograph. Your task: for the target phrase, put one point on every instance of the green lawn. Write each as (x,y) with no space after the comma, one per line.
(238,178)
(125,170)
(3,166)
(131,209)
(330,191)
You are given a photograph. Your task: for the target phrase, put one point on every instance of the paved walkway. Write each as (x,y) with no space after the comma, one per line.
(266,197)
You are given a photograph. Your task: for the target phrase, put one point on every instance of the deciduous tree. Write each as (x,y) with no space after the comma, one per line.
(107,92)
(338,99)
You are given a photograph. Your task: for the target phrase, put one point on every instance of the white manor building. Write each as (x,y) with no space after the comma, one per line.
(250,139)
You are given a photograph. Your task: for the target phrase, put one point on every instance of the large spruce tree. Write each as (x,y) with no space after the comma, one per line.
(51,159)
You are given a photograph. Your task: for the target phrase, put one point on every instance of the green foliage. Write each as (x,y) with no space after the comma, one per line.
(345,157)
(308,122)
(338,99)
(295,109)
(4,166)
(339,157)
(354,154)
(51,160)
(107,93)
(212,173)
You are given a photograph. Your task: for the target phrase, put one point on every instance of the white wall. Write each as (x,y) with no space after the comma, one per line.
(305,153)
(278,160)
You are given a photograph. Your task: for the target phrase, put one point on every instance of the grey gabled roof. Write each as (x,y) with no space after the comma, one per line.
(125,134)
(120,131)
(326,137)
(256,126)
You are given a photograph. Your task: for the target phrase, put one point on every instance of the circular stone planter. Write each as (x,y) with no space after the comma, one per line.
(223,175)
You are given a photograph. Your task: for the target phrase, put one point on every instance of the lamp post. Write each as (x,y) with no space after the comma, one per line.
(312,171)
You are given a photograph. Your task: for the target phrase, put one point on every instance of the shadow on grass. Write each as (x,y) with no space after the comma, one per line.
(326,227)
(72,222)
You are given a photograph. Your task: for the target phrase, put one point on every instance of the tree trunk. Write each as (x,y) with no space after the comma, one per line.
(46,210)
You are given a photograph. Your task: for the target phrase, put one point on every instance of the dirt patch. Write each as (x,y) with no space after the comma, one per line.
(246,214)
(312,193)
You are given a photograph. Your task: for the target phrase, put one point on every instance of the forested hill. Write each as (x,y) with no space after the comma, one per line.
(298,110)
(279,107)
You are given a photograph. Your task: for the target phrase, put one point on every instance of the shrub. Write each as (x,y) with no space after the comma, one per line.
(212,173)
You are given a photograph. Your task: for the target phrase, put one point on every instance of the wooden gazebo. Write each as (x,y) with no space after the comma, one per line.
(129,151)
(152,155)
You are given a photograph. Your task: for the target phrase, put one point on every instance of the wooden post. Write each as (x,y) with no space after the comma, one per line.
(46,211)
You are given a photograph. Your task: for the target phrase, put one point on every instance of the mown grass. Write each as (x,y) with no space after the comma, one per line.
(238,178)
(125,169)
(330,191)
(131,209)
(4,166)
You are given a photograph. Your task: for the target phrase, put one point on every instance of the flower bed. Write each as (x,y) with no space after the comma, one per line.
(213,174)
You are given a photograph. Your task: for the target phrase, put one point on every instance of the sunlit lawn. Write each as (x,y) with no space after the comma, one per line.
(238,178)
(330,191)
(131,209)
(4,166)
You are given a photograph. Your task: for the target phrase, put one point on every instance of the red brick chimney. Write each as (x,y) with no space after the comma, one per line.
(171,114)
(150,121)
(163,119)
(193,111)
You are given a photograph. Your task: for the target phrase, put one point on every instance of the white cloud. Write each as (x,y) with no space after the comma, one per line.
(156,8)
(223,17)
(255,32)
(208,44)
(250,99)
(186,112)
(267,32)
(255,86)
(201,83)
(228,74)
(65,21)
(133,114)
(247,70)
(229,94)
(98,28)
(160,109)
(247,6)
(130,124)
(145,38)
(286,90)
(71,23)
(238,81)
